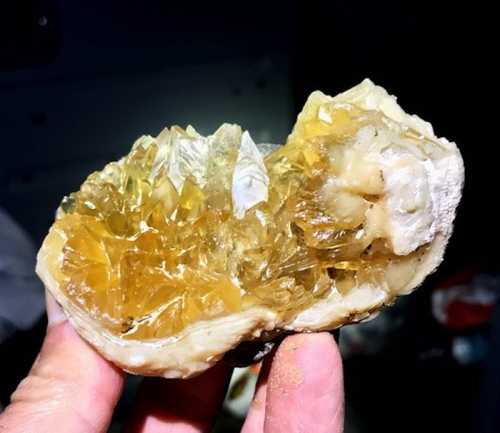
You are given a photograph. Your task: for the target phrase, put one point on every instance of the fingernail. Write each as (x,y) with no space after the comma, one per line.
(55,314)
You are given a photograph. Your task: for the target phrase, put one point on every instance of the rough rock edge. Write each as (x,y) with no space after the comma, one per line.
(191,351)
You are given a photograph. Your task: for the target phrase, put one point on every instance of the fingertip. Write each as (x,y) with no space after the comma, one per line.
(305,387)
(314,342)
(315,354)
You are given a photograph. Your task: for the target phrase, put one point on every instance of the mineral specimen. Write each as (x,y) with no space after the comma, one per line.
(188,245)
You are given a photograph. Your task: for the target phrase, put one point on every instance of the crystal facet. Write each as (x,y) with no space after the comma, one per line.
(188,228)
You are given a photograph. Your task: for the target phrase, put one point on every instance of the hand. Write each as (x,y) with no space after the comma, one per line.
(70,388)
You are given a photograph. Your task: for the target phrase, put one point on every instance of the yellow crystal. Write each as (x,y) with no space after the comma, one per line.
(150,244)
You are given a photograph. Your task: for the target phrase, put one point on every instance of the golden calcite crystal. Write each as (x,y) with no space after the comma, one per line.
(187,228)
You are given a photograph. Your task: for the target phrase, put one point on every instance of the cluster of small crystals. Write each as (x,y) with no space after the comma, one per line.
(147,260)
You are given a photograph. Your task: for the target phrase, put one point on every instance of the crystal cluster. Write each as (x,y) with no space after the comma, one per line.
(188,228)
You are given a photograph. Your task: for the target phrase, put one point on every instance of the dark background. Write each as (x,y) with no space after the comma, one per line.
(81,80)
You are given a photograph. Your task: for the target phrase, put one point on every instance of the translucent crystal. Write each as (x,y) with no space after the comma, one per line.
(188,228)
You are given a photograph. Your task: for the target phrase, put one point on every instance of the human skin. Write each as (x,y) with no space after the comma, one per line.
(71,388)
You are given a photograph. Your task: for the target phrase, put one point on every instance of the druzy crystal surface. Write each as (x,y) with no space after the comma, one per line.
(188,228)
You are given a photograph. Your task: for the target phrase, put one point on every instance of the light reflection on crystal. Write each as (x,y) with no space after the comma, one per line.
(147,256)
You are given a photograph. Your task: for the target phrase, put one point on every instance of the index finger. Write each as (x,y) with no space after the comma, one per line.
(180,405)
